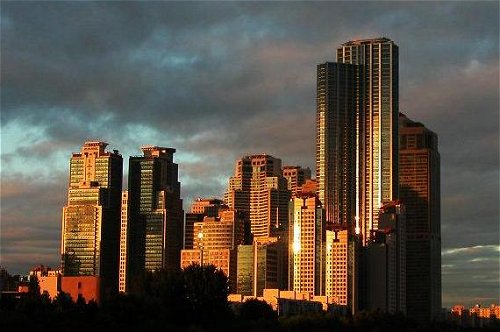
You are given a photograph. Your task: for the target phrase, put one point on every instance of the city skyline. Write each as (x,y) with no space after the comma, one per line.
(463,83)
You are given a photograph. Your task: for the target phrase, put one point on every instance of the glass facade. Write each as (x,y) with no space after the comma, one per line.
(335,140)
(155,212)
(91,218)
(376,126)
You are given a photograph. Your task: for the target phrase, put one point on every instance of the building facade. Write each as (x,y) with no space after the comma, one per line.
(296,176)
(259,189)
(155,212)
(376,126)
(419,179)
(386,261)
(91,219)
(335,140)
(258,267)
(122,276)
(307,241)
(215,242)
(201,207)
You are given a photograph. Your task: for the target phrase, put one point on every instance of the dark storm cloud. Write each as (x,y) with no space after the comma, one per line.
(220,80)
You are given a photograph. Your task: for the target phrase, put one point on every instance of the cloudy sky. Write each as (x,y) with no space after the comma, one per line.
(220,80)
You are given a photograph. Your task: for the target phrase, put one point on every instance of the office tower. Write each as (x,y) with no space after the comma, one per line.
(386,261)
(419,169)
(307,239)
(155,212)
(376,126)
(258,266)
(200,208)
(296,176)
(259,189)
(336,268)
(215,242)
(122,276)
(237,195)
(335,141)
(91,218)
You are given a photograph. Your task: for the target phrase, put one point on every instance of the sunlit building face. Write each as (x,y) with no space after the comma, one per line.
(91,218)
(376,125)
(308,236)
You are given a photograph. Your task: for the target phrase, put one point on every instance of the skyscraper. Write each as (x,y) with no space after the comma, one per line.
(419,170)
(386,261)
(91,219)
(201,207)
(258,267)
(155,211)
(296,176)
(336,268)
(122,278)
(259,189)
(307,240)
(335,140)
(376,126)
(215,242)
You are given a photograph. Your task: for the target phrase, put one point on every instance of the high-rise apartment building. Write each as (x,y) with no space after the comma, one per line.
(307,240)
(376,126)
(296,176)
(91,219)
(155,212)
(419,180)
(386,261)
(336,111)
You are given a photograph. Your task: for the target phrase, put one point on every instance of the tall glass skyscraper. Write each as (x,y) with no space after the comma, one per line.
(356,153)
(376,126)
(91,219)
(155,212)
(335,140)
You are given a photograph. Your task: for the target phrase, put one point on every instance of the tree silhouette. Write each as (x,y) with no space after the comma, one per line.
(207,289)
(256,310)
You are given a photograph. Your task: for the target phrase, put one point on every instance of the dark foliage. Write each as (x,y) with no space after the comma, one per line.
(191,300)
(256,310)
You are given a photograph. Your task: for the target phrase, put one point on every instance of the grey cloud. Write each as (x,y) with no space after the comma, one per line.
(31,221)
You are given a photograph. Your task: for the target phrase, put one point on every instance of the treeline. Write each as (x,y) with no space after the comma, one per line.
(194,299)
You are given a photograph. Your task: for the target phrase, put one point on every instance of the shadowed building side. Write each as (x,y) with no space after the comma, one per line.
(419,176)
(155,212)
